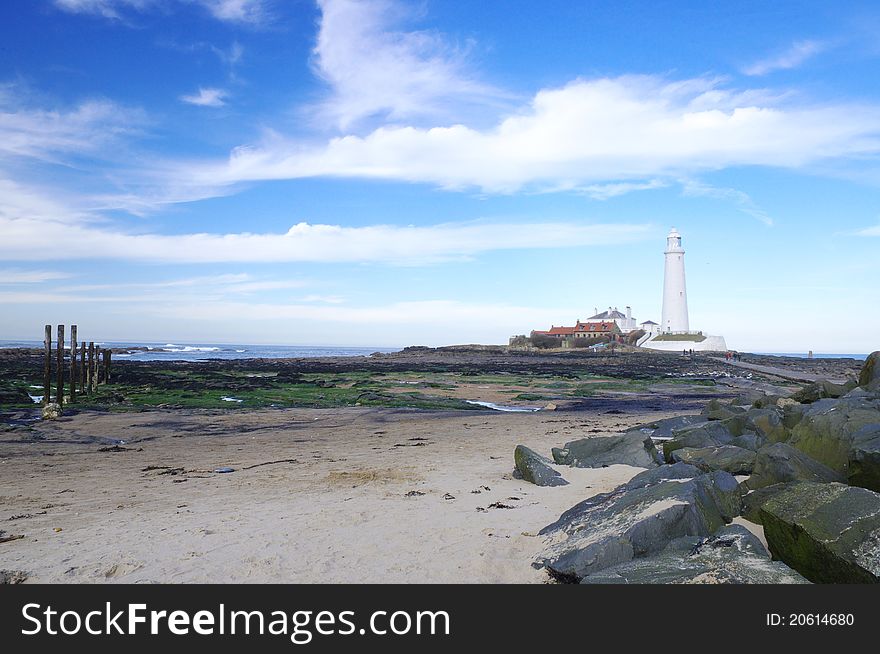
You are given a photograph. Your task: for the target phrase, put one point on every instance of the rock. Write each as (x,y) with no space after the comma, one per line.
(864,458)
(629,523)
(769,424)
(663,428)
(707,434)
(821,389)
(869,377)
(732,555)
(781,462)
(749,441)
(730,458)
(754,500)
(827,431)
(663,473)
(715,411)
(767,402)
(632,448)
(830,533)
(535,468)
(550,406)
(51,411)
(793,413)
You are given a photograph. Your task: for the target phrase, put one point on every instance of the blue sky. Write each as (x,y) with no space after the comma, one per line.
(387,173)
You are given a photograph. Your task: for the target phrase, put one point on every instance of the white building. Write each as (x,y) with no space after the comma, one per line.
(625,322)
(674,333)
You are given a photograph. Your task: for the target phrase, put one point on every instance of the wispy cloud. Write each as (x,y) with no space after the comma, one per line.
(869,231)
(742,200)
(88,127)
(24,240)
(17,276)
(235,11)
(206,97)
(630,129)
(375,69)
(794,56)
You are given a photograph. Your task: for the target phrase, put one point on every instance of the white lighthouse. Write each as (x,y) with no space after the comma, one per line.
(675,303)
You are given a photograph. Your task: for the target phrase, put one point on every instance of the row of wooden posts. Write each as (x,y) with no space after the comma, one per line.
(88,367)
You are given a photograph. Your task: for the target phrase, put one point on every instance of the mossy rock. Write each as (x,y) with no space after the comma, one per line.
(732,555)
(869,376)
(769,424)
(534,468)
(730,458)
(628,523)
(830,533)
(714,410)
(753,500)
(780,462)
(632,449)
(707,434)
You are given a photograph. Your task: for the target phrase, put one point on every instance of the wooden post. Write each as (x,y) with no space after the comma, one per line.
(107,355)
(97,366)
(47,364)
(72,364)
(91,364)
(82,369)
(59,386)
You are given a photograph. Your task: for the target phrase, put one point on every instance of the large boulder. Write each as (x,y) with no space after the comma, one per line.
(818,390)
(827,434)
(864,458)
(707,434)
(662,429)
(714,410)
(781,462)
(830,533)
(768,424)
(663,473)
(629,523)
(869,377)
(732,555)
(535,468)
(633,448)
(755,499)
(730,458)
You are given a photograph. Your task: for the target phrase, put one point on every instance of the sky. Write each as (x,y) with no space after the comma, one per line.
(391,173)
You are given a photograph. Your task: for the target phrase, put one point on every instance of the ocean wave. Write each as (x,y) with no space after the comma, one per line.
(189,348)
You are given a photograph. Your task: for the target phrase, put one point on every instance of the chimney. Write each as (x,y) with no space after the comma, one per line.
(629,313)
(595,311)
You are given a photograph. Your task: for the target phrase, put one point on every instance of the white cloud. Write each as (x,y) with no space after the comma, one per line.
(17,276)
(629,129)
(793,57)
(206,97)
(235,11)
(742,200)
(24,240)
(39,133)
(375,70)
(869,231)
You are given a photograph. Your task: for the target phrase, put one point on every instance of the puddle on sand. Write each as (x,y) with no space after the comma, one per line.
(502,407)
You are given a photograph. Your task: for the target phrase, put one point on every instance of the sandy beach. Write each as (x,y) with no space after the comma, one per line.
(352,495)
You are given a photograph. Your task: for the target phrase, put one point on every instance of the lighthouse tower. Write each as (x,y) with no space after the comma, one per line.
(675,303)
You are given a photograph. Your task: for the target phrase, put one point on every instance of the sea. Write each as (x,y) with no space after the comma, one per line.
(205,351)
(815,355)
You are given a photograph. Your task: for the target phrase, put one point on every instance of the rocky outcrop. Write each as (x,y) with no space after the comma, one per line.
(535,468)
(663,473)
(730,458)
(869,377)
(732,555)
(821,389)
(714,410)
(781,462)
(830,533)
(632,448)
(630,523)
(827,434)
(708,434)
